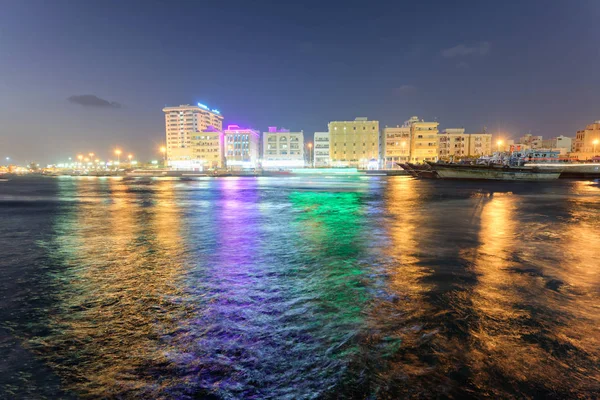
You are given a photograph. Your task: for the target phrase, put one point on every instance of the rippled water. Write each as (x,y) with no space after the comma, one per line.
(366,287)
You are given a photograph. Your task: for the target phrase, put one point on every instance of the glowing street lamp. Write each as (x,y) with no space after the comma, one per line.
(310,154)
(499,144)
(91,155)
(130,157)
(118,153)
(163,150)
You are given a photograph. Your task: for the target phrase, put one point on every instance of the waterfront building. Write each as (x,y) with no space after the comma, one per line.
(453,142)
(561,143)
(208,148)
(424,140)
(321,150)
(183,122)
(533,142)
(283,149)
(241,147)
(354,143)
(480,144)
(396,145)
(587,141)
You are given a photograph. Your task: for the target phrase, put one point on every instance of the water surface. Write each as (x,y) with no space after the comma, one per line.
(363,287)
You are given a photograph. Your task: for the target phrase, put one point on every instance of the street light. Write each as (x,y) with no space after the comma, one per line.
(499,144)
(91,155)
(118,153)
(163,150)
(310,154)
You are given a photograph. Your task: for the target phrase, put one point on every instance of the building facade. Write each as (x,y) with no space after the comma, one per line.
(208,149)
(283,149)
(587,141)
(396,145)
(453,142)
(424,141)
(241,147)
(183,122)
(321,150)
(561,143)
(354,143)
(480,144)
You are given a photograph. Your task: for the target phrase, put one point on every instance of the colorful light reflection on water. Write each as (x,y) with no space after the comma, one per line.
(299,288)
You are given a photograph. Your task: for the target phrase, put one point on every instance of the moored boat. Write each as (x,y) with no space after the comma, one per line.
(571,170)
(494,172)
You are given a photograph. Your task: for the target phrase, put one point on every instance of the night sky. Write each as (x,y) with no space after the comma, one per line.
(81,76)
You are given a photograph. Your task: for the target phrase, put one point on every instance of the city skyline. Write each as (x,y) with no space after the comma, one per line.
(92,87)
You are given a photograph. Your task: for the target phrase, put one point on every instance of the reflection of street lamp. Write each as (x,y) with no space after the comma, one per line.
(310,154)
(595,142)
(499,144)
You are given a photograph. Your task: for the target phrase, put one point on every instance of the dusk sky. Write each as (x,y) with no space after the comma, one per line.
(512,66)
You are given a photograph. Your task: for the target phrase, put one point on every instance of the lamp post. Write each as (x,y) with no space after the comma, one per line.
(118,153)
(130,157)
(310,154)
(499,144)
(80,158)
(163,150)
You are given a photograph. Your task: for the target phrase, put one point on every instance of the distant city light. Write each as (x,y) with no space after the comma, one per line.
(154,162)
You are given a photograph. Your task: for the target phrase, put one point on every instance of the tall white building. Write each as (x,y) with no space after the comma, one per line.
(241,147)
(283,149)
(181,124)
(321,150)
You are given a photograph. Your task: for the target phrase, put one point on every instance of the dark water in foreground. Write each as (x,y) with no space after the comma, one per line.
(299,288)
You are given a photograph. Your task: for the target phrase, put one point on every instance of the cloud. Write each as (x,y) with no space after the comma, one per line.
(405,89)
(90,100)
(461,50)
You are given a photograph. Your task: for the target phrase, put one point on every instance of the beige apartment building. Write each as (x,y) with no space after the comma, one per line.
(480,144)
(396,145)
(283,149)
(587,141)
(424,141)
(354,143)
(453,142)
(183,122)
(208,149)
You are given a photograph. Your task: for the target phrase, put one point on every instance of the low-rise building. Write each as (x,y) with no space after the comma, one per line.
(283,149)
(396,145)
(587,141)
(321,150)
(453,142)
(424,141)
(480,144)
(241,147)
(208,148)
(561,143)
(354,143)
